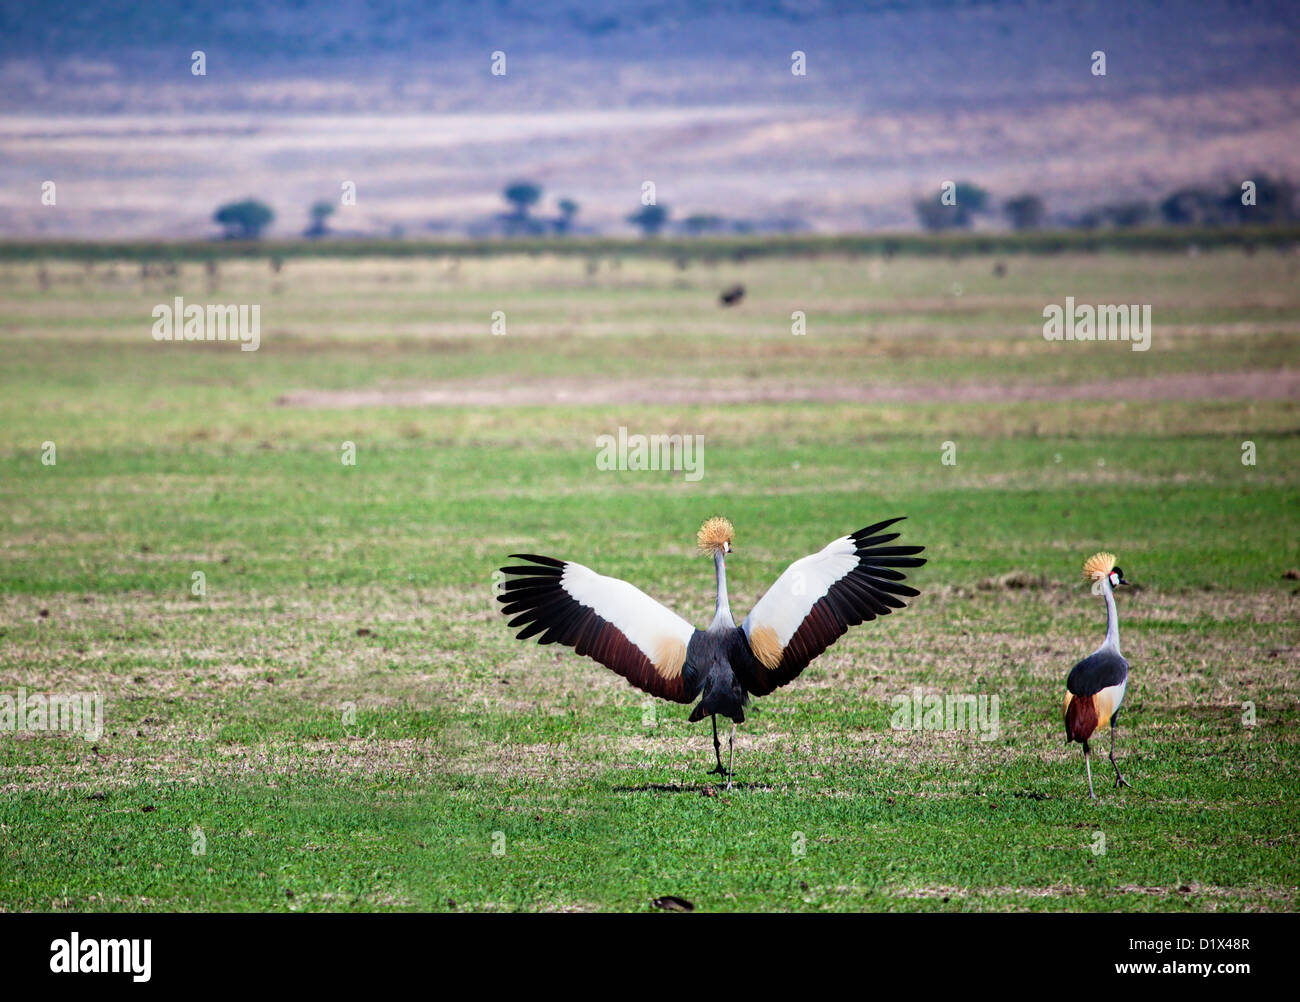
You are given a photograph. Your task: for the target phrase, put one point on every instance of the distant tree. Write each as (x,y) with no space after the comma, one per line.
(1275,202)
(1125,215)
(936,213)
(651,219)
(934,217)
(702,222)
(320,213)
(971,199)
(1192,206)
(1024,212)
(522,195)
(568,209)
(1120,215)
(244,220)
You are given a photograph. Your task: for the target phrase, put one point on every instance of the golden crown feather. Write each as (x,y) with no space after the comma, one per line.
(1098,566)
(714,533)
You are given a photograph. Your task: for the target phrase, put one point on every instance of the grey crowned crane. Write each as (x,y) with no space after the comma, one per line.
(1095,688)
(812,604)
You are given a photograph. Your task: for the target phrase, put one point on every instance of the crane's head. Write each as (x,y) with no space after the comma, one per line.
(1101,566)
(715,536)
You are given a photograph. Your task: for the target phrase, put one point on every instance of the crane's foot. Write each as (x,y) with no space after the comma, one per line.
(1121,781)
(717,750)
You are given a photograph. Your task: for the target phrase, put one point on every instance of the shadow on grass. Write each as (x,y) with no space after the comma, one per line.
(704,789)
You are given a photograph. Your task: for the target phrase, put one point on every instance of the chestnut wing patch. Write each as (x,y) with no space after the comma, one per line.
(1093,693)
(603,618)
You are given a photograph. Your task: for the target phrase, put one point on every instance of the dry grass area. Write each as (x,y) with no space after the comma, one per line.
(1269,385)
(345,718)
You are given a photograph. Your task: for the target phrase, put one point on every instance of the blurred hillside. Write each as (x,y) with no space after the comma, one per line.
(598,98)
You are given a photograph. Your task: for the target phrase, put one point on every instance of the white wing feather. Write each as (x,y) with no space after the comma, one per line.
(787,603)
(641,619)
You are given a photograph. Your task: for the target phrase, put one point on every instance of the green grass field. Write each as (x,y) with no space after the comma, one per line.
(343,722)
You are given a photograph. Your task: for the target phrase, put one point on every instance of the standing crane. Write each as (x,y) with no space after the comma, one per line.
(812,604)
(1095,688)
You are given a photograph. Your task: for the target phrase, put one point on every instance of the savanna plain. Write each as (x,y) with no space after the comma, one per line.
(310,702)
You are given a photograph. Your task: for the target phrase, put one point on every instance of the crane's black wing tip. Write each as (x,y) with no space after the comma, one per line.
(871,530)
(540,567)
(537,559)
(871,545)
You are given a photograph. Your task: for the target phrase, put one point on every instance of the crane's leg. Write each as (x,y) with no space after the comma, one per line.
(717,750)
(1119,778)
(731,751)
(1087,764)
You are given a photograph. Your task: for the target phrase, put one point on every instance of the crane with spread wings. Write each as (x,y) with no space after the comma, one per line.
(812,604)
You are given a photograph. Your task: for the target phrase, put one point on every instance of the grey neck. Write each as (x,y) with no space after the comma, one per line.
(722,613)
(1112,616)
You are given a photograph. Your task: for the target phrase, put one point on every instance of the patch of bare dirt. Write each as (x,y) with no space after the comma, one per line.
(1277,384)
(548,763)
(82,768)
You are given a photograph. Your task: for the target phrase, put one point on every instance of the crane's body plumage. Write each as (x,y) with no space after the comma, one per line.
(850,581)
(1096,685)
(1095,688)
